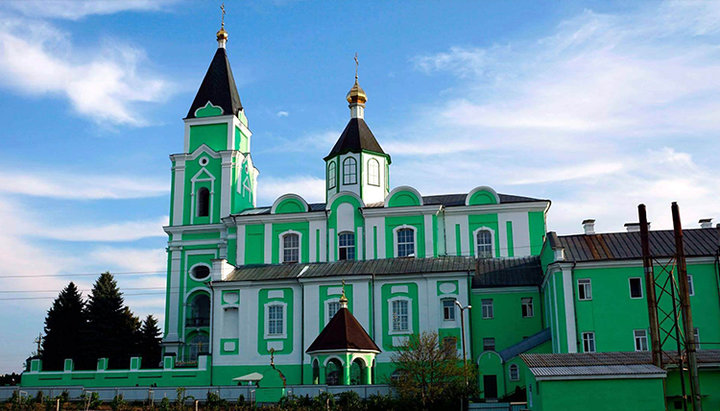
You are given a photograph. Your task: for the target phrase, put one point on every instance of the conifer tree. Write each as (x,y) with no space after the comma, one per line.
(112,327)
(64,326)
(149,341)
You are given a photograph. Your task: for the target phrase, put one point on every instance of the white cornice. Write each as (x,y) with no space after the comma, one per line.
(401,211)
(179,229)
(503,290)
(279,218)
(533,206)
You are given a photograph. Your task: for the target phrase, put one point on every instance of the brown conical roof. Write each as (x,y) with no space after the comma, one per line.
(343,332)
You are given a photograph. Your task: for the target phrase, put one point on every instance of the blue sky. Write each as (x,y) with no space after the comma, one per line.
(596,105)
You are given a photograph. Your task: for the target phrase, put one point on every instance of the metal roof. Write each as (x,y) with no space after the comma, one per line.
(355,138)
(508,272)
(698,242)
(447,200)
(218,87)
(611,358)
(388,266)
(599,370)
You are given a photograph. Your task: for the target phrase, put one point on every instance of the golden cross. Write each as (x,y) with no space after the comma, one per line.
(222,20)
(357,63)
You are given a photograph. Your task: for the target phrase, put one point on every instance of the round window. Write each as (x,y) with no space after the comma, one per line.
(204,161)
(200,272)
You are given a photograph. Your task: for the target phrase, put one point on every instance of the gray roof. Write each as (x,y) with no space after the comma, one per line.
(698,242)
(447,200)
(355,138)
(611,358)
(388,266)
(508,272)
(647,370)
(218,87)
(525,345)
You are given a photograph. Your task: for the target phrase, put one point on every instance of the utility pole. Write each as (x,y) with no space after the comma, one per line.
(650,289)
(690,342)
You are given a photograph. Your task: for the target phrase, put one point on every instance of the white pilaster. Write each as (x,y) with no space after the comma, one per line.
(428,235)
(569,309)
(268,243)
(240,247)
(359,244)
(179,190)
(174,285)
(226,184)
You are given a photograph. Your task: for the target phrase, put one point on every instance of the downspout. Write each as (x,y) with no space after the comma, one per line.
(469,301)
(212,334)
(372,305)
(302,332)
(717,265)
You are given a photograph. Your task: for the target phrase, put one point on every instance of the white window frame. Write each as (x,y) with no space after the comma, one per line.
(282,335)
(373,179)
(588,337)
(492,309)
(691,285)
(530,309)
(587,283)
(328,317)
(395,239)
(391,330)
(281,254)
(516,370)
(354,247)
(642,294)
(493,343)
(349,178)
(191,272)
(492,240)
(696,334)
(332,175)
(638,337)
(454,310)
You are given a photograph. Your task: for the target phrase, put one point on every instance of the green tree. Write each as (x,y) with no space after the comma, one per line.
(64,325)
(112,327)
(149,343)
(430,374)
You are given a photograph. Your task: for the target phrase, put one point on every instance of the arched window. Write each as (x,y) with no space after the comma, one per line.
(484,243)
(405,242)
(291,248)
(357,372)
(315,372)
(349,171)
(203,202)
(373,172)
(333,371)
(199,314)
(514,372)
(331,175)
(346,246)
(198,344)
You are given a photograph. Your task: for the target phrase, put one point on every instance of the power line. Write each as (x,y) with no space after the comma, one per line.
(80,274)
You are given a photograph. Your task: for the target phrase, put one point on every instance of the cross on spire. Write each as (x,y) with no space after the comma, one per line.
(357,63)
(222,19)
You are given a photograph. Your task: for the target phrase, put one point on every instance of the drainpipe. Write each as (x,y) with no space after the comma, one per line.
(302,331)
(717,265)
(372,305)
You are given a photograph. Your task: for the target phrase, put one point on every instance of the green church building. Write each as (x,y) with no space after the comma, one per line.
(328,291)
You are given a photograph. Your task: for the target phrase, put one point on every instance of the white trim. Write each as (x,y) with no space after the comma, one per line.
(497,208)
(284,197)
(403,188)
(642,294)
(359,255)
(332,357)
(208,104)
(409,330)
(429,251)
(378,175)
(481,188)
(266,322)
(589,283)
(355,174)
(510,373)
(569,310)
(193,204)
(179,192)
(647,342)
(395,239)
(267,237)
(401,211)
(557,315)
(281,246)
(638,262)
(505,290)
(190,272)
(240,245)
(202,149)
(339,194)
(475,242)
(355,244)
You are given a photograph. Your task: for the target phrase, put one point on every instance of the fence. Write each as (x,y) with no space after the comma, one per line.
(499,406)
(156,394)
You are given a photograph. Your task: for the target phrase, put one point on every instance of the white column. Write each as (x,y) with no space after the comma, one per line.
(226,184)
(179,191)
(428,235)
(569,309)
(175,292)
(240,248)
(268,243)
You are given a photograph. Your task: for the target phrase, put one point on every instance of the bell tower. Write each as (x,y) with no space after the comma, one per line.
(357,163)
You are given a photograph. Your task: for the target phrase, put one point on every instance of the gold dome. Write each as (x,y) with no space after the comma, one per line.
(222,34)
(356,94)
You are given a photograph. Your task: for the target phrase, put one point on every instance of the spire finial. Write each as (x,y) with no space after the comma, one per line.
(222,35)
(343,299)
(357,63)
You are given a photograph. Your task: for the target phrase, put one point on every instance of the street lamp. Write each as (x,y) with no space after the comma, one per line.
(462,330)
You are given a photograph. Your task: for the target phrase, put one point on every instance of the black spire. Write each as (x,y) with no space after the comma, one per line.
(355,138)
(218,87)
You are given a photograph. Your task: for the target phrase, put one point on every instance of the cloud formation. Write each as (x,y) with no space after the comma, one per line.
(106,83)
(78,9)
(604,112)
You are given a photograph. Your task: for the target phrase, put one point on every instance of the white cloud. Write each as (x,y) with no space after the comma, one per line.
(130,259)
(604,112)
(105,83)
(58,184)
(312,189)
(282,114)
(122,231)
(77,9)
